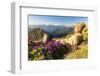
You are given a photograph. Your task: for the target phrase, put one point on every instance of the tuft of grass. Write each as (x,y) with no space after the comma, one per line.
(82,52)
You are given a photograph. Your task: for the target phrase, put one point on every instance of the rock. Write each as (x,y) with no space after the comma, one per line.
(79,27)
(74,39)
(38,36)
(45,37)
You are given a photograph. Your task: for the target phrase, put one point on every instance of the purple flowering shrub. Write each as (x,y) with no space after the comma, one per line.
(50,50)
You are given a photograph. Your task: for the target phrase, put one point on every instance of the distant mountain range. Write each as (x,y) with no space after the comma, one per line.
(53,31)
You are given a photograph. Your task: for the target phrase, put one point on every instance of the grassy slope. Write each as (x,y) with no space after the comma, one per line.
(82,52)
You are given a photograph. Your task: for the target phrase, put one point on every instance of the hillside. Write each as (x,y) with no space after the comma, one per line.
(60,43)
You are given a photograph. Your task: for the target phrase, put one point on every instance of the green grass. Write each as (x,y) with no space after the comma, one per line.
(82,52)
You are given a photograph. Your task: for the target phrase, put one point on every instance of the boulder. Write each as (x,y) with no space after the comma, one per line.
(79,27)
(74,39)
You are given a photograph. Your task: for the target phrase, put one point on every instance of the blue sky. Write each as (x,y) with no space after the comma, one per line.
(61,20)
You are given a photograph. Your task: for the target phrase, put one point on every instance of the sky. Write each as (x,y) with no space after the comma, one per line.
(56,20)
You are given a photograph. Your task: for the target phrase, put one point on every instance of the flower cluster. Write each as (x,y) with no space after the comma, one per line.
(45,50)
(51,45)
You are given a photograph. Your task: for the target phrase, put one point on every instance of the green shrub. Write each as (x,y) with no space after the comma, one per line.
(85,34)
(36,54)
(59,52)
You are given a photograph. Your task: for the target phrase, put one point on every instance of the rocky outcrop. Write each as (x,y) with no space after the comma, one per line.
(38,35)
(74,39)
(79,27)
